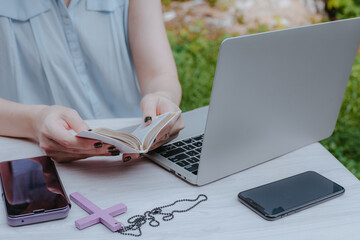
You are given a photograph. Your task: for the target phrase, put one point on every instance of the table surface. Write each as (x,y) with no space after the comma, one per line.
(142,185)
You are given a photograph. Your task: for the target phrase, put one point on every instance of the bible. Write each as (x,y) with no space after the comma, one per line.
(136,141)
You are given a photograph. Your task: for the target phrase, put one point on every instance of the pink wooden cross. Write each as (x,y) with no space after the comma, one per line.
(97,214)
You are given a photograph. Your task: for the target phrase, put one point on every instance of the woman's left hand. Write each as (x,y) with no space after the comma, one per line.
(154,104)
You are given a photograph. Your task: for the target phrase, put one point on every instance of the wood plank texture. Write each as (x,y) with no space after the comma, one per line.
(142,185)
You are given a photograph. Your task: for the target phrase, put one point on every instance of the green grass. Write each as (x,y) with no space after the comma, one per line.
(342,9)
(196,57)
(344,144)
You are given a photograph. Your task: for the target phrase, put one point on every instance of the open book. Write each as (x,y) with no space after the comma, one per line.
(137,141)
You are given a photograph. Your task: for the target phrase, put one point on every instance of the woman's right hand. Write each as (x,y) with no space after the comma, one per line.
(51,125)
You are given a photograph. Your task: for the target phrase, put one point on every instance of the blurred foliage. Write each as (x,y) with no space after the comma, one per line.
(342,9)
(195,51)
(212,2)
(166,2)
(261,28)
(195,56)
(344,144)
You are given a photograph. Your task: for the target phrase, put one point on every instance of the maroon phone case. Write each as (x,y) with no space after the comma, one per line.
(38,215)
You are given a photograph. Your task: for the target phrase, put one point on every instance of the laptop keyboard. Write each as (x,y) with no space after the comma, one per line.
(185,153)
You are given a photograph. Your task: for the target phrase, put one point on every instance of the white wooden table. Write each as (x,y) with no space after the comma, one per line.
(142,185)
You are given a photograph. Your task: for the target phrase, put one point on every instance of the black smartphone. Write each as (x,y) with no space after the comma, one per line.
(32,191)
(289,195)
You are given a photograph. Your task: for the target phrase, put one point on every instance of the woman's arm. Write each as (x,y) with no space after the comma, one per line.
(49,125)
(16,120)
(154,63)
(152,56)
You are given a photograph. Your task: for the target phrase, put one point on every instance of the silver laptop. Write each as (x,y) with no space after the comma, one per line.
(273,93)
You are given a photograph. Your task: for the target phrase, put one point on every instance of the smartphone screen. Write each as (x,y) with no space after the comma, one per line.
(31,186)
(286,196)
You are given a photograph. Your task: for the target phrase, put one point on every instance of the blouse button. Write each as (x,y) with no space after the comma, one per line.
(77,54)
(67,20)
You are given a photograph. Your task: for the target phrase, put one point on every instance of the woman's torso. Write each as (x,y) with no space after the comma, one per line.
(78,57)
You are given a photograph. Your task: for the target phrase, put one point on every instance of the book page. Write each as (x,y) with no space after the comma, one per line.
(139,141)
(121,145)
(147,134)
(120,136)
(150,138)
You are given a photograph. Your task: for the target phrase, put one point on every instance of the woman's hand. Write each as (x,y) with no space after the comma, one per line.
(154,64)
(51,126)
(154,104)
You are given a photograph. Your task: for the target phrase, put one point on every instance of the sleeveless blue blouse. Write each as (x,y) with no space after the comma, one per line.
(77,57)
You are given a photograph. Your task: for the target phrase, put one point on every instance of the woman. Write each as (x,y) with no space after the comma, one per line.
(63,61)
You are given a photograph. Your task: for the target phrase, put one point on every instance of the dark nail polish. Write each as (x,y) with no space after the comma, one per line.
(147,119)
(127,158)
(98,145)
(112,148)
(115,153)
